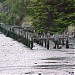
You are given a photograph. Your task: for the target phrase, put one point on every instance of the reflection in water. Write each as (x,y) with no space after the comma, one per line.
(16,59)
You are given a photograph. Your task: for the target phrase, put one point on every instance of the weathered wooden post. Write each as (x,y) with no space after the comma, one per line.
(7,33)
(67,42)
(42,42)
(5,30)
(24,33)
(39,40)
(47,40)
(63,39)
(74,33)
(59,41)
(47,43)
(34,34)
(17,37)
(21,38)
(28,39)
(56,39)
(15,34)
(0,28)
(31,42)
(42,38)
(39,74)
(63,42)
(18,34)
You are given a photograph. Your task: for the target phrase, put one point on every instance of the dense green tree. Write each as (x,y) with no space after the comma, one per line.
(48,15)
(53,15)
(2,0)
(43,18)
(16,10)
(65,14)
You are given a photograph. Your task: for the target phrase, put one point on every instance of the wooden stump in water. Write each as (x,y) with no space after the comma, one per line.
(67,43)
(41,42)
(47,44)
(63,42)
(31,42)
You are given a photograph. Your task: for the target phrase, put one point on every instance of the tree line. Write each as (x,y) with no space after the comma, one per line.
(47,15)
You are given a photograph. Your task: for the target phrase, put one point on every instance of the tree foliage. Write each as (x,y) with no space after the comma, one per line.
(15,10)
(48,15)
(53,15)
(2,0)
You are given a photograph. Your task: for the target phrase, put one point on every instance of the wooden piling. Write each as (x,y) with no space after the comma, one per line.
(60,41)
(31,42)
(63,43)
(42,42)
(47,43)
(74,33)
(67,42)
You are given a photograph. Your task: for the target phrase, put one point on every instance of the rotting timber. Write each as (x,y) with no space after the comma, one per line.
(18,33)
(28,37)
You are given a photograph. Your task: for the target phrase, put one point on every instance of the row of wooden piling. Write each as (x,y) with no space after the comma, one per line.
(46,42)
(27,37)
(28,41)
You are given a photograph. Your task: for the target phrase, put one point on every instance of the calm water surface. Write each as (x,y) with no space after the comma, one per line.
(17,59)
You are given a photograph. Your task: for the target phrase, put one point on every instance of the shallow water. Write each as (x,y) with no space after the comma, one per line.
(17,59)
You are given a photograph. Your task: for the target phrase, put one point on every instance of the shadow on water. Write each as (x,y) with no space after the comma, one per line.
(57,58)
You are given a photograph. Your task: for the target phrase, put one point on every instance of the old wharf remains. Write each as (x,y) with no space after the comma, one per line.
(28,36)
